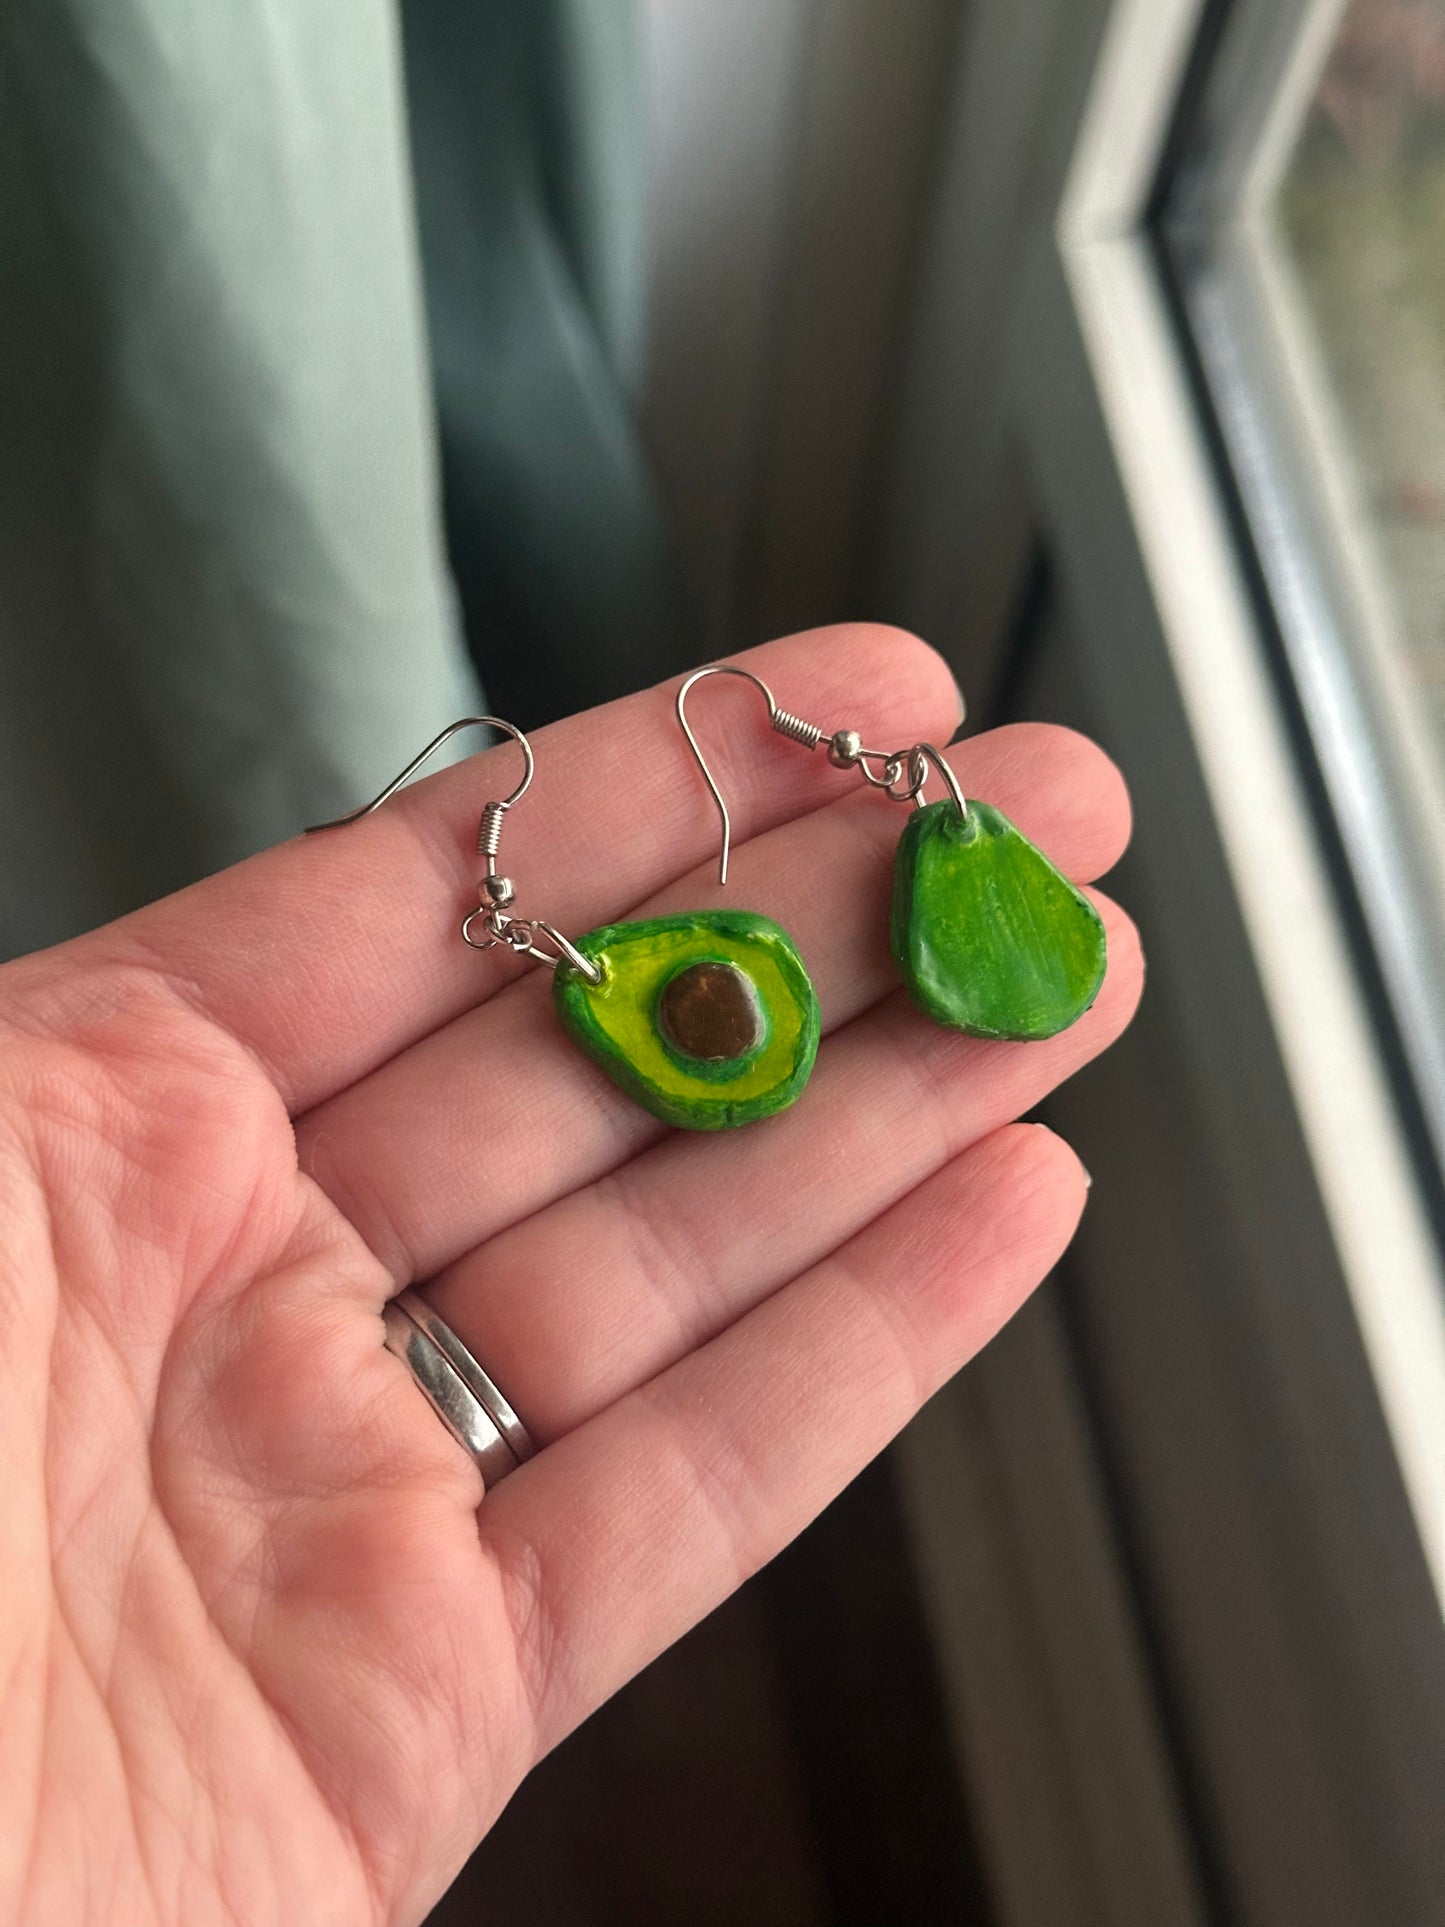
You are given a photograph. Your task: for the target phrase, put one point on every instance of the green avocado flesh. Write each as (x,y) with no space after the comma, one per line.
(991,939)
(708,1020)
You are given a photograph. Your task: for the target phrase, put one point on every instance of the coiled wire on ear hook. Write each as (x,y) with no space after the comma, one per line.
(901,773)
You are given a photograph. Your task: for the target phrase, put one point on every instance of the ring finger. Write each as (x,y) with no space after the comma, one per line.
(608,1287)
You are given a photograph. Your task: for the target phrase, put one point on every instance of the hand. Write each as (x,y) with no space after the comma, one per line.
(263,1658)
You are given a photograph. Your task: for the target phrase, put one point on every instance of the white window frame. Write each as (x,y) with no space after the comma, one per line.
(1312,526)
(1210,632)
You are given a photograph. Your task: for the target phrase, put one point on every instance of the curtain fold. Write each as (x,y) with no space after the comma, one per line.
(529,144)
(224,605)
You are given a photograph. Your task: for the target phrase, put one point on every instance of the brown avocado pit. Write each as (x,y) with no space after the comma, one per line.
(710,1011)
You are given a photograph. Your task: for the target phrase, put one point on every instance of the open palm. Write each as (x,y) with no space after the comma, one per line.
(263,1658)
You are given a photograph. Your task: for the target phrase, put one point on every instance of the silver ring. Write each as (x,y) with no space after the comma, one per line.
(462,1395)
(483,1388)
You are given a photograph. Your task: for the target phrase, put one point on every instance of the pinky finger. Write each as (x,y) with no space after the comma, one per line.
(623,1534)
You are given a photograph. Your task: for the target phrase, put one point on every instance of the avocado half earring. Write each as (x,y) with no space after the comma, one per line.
(708,1020)
(988,936)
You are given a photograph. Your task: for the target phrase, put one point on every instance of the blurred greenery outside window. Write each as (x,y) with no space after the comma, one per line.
(1362,211)
(1306,223)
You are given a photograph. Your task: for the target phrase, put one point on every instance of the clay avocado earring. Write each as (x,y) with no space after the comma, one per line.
(988,936)
(708,1020)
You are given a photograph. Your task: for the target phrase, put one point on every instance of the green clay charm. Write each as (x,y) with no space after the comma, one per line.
(991,938)
(707,1020)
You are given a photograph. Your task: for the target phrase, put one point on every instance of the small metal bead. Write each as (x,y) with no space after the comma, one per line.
(844,748)
(500,890)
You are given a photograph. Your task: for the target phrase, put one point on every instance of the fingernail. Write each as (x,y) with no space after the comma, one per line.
(962,704)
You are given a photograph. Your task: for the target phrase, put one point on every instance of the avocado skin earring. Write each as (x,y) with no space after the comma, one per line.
(988,936)
(707,1020)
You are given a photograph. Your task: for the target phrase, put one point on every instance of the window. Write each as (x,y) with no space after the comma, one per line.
(1304,218)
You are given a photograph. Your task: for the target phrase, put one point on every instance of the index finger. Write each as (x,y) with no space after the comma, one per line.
(327,955)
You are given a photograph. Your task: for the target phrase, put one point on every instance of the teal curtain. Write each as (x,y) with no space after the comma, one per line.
(530,152)
(225,602)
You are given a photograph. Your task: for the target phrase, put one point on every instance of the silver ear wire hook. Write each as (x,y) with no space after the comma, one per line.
(902,772)
(495,891)
(782,720)
(452,729)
